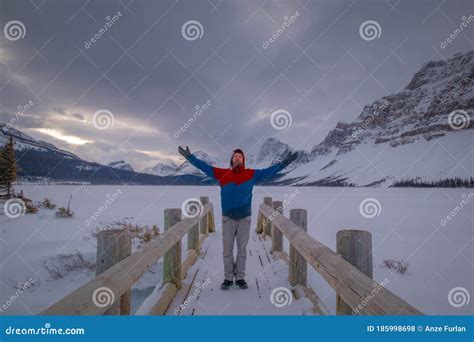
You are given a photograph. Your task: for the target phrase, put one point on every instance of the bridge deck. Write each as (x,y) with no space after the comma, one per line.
(201,293)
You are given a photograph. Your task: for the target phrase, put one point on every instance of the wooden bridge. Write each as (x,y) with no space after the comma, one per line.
(277,280)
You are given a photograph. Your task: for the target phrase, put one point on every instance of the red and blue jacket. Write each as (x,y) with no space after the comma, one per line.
(236,185)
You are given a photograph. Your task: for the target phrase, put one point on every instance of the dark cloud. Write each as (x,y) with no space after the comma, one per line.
(131,59)
(64,112)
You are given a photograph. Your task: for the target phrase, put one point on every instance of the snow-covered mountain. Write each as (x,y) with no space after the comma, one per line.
(273,150)
(25,142)
(121,165)
(422,132)
(162,169)
(184,168)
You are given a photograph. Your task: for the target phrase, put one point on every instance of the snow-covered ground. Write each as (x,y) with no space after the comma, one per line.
(409,228)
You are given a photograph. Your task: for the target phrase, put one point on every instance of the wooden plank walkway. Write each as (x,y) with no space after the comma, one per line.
(201,293)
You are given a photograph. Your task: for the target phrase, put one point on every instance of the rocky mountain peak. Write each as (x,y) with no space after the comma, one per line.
(122,165)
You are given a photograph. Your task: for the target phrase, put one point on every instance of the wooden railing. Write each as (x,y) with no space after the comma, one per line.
(109,291)
(348,271)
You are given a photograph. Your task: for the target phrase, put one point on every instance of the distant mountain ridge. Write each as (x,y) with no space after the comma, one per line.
(43,162)
(407,135)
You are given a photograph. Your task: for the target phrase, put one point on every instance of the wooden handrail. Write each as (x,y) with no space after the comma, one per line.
(353,286)
(120,277)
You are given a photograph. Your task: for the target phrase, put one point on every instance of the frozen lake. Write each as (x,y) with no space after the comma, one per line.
(411,226)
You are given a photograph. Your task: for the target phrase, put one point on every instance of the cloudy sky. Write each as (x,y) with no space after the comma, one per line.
(112,80)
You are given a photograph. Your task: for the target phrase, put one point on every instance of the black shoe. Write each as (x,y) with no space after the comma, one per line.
(242,284)
(226,284)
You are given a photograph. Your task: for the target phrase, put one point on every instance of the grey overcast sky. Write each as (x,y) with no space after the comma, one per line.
(147,74)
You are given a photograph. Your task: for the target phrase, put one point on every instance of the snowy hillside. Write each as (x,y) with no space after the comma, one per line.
(25,142)
(372,164)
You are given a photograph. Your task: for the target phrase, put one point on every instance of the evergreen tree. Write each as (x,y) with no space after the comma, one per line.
(456,182)
(3,163)
(8,168)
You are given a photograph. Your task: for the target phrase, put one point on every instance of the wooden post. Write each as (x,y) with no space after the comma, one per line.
(355,246)
(277,236)
(203,222)
(204,200)
(259,225)
(212,225)
(266,224)
(260,218)
(193,238)
(172,259)
(297,263)
(113,246)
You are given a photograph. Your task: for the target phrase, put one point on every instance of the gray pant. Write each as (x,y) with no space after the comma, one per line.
(235,230)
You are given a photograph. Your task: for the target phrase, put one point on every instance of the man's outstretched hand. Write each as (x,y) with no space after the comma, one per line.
(290,158)
(184,152)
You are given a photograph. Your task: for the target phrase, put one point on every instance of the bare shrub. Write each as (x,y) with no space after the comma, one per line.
(398,265)
(65,212)
(61,264)
(48,204)
(30,208)
(142,233)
